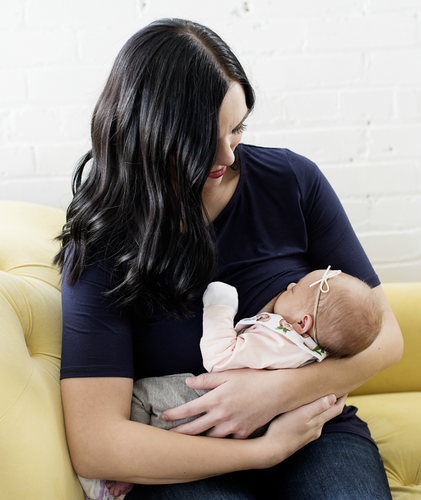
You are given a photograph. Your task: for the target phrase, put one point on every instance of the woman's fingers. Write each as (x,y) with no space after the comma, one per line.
(195,407)
(329,408)
(321,406)
(206,381)
(317,413)
(333,410)
(307,421)
(198,426)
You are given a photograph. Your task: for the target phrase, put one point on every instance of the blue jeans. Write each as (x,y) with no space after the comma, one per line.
(338,466)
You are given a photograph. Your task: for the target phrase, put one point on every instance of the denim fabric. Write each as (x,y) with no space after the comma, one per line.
(338,466)
(227,487)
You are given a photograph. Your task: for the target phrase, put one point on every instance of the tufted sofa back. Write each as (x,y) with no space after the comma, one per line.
(34,461)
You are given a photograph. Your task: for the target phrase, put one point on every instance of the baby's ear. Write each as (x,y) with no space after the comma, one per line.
(304,325)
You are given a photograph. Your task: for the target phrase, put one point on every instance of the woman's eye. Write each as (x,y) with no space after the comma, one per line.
(240,129)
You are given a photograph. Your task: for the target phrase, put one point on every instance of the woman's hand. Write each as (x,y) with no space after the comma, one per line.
(293,430)
(240,402)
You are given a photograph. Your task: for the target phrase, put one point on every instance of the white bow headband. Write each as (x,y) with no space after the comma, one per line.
(323,288)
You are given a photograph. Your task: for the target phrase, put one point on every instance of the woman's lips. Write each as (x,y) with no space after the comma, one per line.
(217,173)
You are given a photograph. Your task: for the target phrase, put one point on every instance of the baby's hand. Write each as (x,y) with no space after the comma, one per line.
(118,488)
(220,294)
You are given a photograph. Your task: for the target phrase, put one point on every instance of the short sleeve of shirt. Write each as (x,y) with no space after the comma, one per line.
(97,335)
(331,238)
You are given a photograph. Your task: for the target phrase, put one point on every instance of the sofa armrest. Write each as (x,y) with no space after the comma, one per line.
(404,376)
(34,459)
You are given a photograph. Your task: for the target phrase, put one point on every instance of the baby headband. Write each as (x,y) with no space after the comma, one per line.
(323,288)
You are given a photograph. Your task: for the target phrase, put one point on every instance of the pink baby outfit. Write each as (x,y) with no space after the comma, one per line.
(253,343)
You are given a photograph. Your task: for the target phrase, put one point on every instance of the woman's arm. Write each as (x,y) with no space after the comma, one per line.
(228,409)
(104,443)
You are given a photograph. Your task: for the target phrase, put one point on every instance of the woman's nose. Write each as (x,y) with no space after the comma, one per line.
(225,154)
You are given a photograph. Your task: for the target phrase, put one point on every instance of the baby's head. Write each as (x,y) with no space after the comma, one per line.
(341,313)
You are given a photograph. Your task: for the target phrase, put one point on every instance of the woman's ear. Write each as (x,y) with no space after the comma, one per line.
(304,325)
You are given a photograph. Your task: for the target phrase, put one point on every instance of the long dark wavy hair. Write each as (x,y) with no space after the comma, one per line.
(154,135)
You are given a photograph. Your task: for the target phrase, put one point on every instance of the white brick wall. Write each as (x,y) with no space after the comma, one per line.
(337,80)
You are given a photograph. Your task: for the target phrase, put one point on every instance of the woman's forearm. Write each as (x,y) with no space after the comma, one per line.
(104,443)
(147,455)
(173,458)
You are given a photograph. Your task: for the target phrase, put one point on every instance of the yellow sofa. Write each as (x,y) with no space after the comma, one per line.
(34,459)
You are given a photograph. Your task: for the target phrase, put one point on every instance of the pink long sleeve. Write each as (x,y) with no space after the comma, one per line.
(256,347)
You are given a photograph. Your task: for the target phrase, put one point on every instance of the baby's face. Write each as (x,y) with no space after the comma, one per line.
(292,304)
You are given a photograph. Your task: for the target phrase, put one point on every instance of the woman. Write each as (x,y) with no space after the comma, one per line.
(169,204)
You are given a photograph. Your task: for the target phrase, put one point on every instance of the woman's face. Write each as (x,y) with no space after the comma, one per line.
(232,114)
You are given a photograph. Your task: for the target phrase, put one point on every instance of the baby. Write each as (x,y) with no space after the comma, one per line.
(317,317)
(308,324)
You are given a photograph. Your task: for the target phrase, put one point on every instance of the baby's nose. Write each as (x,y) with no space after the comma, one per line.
(291,285)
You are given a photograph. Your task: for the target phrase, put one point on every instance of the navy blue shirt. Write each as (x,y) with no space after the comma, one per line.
(283,221)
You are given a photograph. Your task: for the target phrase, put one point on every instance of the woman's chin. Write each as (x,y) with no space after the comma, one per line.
(212,184)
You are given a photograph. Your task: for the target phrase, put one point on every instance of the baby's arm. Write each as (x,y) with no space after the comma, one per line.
(220,302)
(256,346)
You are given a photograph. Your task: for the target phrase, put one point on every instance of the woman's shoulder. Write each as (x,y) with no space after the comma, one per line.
(276,158)
(278,165)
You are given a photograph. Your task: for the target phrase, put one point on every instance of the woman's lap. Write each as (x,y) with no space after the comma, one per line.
(338,466)
(226,487)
